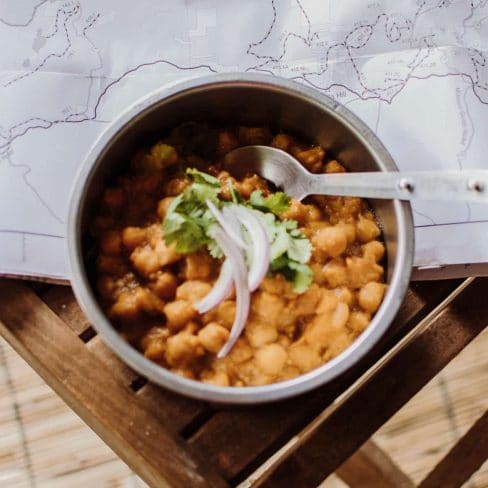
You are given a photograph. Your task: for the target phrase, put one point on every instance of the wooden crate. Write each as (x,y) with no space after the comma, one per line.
(171,440)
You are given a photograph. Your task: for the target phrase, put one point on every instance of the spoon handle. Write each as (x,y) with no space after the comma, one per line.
(467,186)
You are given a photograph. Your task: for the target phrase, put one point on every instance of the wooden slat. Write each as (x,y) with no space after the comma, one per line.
(466,457)
(178,411)
(90,389)
(119,369)
(62,301)
(371,467)
(348,426)
(239,440)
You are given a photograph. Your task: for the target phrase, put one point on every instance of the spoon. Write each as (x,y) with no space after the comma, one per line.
(287,173)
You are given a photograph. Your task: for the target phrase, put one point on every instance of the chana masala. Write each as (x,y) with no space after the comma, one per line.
(311,304)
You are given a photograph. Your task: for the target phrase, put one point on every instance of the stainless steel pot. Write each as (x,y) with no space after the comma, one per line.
(246,99)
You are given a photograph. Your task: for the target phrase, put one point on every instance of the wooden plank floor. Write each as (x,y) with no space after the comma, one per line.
(43,444)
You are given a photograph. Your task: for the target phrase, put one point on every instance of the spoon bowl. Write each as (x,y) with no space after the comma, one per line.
(287,173)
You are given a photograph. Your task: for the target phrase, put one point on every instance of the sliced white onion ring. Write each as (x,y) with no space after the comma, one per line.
(243,298)
(231,220)
(221,290)
(228,225)
(260,247)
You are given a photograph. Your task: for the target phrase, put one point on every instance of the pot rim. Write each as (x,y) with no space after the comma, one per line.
(249,394)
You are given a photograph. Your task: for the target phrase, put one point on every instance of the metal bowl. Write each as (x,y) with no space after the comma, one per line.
(246,99)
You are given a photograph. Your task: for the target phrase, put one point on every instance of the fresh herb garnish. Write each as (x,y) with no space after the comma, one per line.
(277,203)
(188,221)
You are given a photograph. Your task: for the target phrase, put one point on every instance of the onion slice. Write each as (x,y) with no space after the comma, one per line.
(221,290)
(243,298)
(233,230)
(259,254)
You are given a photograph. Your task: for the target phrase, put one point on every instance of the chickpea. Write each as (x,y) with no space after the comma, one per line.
(131,303)
(217,378)
(304,357)
(367,229)
(175,186)
(193,291)
(226,180)
(268,307)
(183,348)
(113,265)
(210,316)
(154,234)
(133,237)
(338,343)
(311,158)
(328,302)
(241,351)
(331,240)
(213,336)
(161,156)
(260,333)
(250,184)
(358,321)
(106,287)
(191,327)
(163,206)
(226,312)
(150,183)
(186,372)
(276,284)
(325,327)
(198,266)
(340,316)
(152,334)
(296,211)
(227,142)
(344,295)
(307,302)
(101,224)
(164,284)
(289,372)
(334,167)
(114,197)
(361,271)
(155,349)
(374,250)
(350,231)
(145,260)
(335,273)
(125,307)
(271,359)
(110,242)
(282,141)
(178,313)
(370,296)
(254,135)
(166,254)
(318,274)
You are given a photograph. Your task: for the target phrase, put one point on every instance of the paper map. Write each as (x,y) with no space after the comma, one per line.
(415,71)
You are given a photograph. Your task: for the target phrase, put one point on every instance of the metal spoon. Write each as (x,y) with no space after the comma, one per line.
(287,173)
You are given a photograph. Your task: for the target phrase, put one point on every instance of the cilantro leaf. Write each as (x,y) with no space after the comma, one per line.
(186,231)
(187,219)
(302,276)
(299,248)
(203,178)
(276,203)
